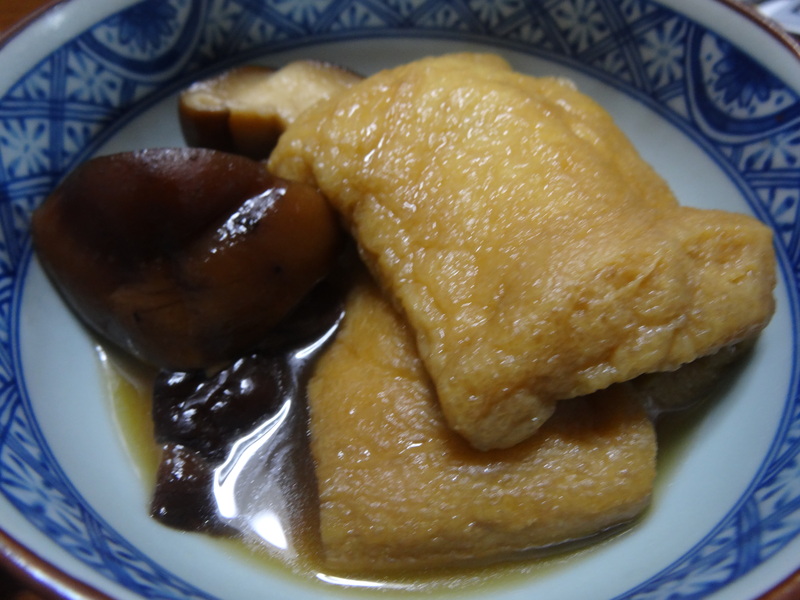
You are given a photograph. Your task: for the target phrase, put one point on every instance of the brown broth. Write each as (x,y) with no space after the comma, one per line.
(129,386)
(279,525)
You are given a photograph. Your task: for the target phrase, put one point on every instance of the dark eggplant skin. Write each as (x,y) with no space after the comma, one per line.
(183,497)
(183,257)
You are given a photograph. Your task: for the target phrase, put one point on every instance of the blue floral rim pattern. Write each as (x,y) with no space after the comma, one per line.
(61,110)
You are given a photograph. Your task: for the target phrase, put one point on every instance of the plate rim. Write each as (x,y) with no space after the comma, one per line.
(42,576)
(49,578)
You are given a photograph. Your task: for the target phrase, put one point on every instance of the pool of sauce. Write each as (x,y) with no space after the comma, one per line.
(292,540)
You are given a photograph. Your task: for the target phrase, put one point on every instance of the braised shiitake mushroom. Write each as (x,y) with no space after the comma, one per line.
(245,109)
(183,257)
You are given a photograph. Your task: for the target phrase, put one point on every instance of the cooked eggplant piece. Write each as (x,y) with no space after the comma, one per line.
(184,257)
(208,412)
(183,497)
(245,109)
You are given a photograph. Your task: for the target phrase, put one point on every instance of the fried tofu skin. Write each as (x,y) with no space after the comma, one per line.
(399,489)
(535,255)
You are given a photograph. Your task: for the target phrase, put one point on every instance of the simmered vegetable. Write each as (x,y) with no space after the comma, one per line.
(206,412)
(245,109)
(183,498)
(183,257)
(200,416)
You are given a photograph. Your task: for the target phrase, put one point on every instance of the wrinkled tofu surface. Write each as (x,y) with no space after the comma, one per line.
(535,255)
(399,489)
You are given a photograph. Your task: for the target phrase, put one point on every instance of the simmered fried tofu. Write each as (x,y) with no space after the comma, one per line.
(535,255)
(400,489)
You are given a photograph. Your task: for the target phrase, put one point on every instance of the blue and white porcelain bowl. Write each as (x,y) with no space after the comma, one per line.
(708,92)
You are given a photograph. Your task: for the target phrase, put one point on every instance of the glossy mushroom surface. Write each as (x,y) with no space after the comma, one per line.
(183,257)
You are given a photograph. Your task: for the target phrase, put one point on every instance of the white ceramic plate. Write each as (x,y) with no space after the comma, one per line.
(709,94)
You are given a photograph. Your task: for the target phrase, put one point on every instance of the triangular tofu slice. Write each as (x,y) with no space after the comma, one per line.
(399,489)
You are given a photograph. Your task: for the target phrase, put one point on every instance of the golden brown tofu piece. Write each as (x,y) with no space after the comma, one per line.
(535,255)
(400,489)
